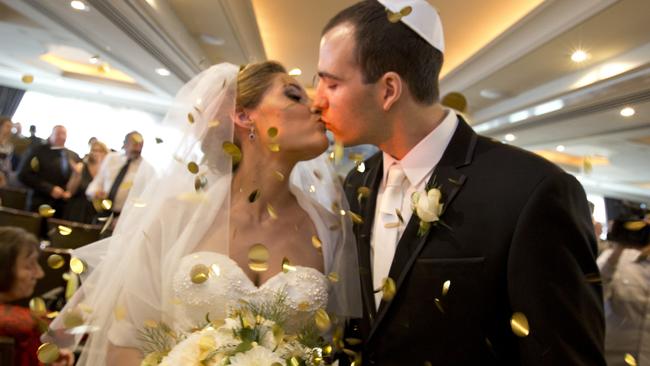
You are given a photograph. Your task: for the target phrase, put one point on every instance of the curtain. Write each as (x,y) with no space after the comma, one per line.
(9,100)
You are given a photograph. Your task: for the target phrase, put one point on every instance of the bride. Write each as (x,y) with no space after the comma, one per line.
(244,204)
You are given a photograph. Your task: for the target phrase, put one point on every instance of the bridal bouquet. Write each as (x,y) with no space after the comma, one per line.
(252,335)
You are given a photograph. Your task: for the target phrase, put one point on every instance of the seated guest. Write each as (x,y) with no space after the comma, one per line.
(19,271)
(116,175)
(79,208)
(46,169)
(6,148)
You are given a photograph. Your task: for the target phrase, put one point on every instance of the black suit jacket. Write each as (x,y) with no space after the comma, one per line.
(44,175)
(518,238)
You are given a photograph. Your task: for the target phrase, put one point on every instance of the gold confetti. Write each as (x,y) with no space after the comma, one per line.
(445,287)
(315,241)
(119,313)
(200,182)
(361,167)
(353,341)
(362,192)
(199,273)
(258,267)
(258,257)
(64,230)
(303,306)
(213,123)
(396,17)
(274,147)
(55,261)
(357,219)
(427,363)
(232,150)
(35,164)
(37,306)
(279,176)
(630,360)
(77,265)
(193,167)
(286,265)
(635,225)
(46,211)
(322,320)
(254,196)
(106,204)
(150,324)
(271,211)
(72,318)
(48,353)
(312,189)
(356,157)
(519,325)
(293,361)
(439,305)
(392,225)
(272,132)
(159,140)
(190,118)
(593,278)
(388,289)
(333,277)
(338,152)
(27,78)
(126,185)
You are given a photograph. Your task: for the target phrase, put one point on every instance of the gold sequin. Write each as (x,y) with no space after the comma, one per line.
(199,273)
(193,167)
(48,353)
(46,211)
(55,261)
(322,320)
(77,265)
(37,306)
(519,325)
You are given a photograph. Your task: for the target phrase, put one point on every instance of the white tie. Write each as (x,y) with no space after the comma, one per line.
(387,227)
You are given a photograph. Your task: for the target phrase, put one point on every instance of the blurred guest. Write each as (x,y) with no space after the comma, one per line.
(116,175)
(19,271)
(46,169)
(6,148)
(625,272)
(21,144)
(79,208)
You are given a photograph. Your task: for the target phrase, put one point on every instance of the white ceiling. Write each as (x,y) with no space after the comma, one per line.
(514,48)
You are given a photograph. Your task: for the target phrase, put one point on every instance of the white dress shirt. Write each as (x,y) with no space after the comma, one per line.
(108,171)
(418,165)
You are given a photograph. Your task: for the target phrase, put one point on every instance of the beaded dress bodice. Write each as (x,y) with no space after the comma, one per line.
(305,290)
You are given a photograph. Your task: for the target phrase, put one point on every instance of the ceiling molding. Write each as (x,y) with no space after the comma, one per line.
(241,16)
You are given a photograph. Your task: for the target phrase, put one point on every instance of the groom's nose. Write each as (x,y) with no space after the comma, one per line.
(320,103)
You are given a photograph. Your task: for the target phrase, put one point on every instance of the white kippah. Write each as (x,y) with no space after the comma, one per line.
(421,17)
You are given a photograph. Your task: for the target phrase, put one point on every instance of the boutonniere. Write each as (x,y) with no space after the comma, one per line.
(428,206)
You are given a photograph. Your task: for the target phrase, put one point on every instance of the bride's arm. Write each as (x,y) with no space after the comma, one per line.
(123,356)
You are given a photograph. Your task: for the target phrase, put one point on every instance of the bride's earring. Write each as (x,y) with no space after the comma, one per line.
(251,134)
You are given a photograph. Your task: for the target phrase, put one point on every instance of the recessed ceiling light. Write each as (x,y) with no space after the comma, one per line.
(162,71)
(627,112)
(510,137)
(211,40)
(559,148)
(295,72)
(491,94)
(78,5)
(579,56)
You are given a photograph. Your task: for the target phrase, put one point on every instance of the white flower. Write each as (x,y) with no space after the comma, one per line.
(192,349)
(257,356)
(428,206)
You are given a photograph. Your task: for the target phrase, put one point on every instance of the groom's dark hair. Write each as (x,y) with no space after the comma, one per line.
(382,46)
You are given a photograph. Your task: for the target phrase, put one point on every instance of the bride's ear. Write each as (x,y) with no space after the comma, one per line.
(391,85)
(242,119)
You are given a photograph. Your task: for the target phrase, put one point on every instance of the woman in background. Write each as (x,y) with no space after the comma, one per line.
(6,149)
(78,208)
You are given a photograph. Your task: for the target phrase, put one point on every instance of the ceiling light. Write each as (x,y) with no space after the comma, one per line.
(491,94)
(518,116)
(78,5)
(295,72)
(214,41)
(579,56)
(510,137)
(627,112)
(548,107)
(559,148)
(94,59)
(163,72)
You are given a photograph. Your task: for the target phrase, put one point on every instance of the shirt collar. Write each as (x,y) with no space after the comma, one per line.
(423,157)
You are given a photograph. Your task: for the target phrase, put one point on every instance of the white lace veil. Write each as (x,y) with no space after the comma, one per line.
(129,275)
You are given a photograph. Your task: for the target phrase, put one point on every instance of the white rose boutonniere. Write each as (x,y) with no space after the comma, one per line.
(428,206)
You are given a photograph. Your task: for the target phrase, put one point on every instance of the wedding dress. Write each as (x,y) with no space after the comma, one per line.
(142,274)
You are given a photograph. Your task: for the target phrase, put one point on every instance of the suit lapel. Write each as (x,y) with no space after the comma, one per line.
(450,181)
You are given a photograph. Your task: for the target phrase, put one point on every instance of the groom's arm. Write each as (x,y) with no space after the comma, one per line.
(553,278)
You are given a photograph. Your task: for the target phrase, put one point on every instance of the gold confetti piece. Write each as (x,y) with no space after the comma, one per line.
(427,363)
(286,265)
(593,278)
(357,219)
(630,360)
(64,230)
(258,257)
(303,306)
(55,261)
(199,273)
(48,353)
(361,167)
(388,289)
(35,164)
(213,123)
(279,176)
(312,189)
(274,147)
(396,17)
(126,185)
(362,192)
(232,150)
(353,341)
(77,265)
(27,78)
(318,174)
(399,215)
(349,352)
(258,267)
(635,225)
(37,306)
(293,361)
(119,313)
(356,157)
(342,212)
(272,132)
(519,325)
(150,324)
(193,167)
(254,196)
(327,350)
(139,203)
(106,204)
(315,241)
(190,118)
(159,140)
(338,152)
(445,287)
(72,319)
(200,182)
(392,225)
(271,211)
(46,211)
(322,320)
(333,277)
(439,305)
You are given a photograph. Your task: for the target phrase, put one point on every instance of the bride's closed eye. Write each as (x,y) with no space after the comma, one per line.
(294,93)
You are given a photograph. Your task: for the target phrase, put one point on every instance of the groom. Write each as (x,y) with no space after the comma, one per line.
(507,275)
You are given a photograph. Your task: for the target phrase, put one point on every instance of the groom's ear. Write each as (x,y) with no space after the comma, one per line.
(391,85)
